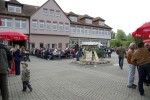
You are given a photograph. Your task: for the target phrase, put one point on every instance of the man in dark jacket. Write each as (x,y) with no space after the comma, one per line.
(5,60)
(121,52)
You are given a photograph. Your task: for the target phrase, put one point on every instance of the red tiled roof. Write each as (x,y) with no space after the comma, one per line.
(98,18)
(27,10)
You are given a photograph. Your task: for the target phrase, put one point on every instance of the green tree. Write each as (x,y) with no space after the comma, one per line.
(113,35)
(120,35)
(115,43)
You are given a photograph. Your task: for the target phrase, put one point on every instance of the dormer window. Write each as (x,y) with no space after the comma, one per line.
(15,9)
(88,21)
(73,18)
(102,23)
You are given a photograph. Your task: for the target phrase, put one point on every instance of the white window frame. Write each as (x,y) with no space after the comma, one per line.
(51,12)
(35,23)
(61,27)
(102,23)
(20,22)
(48,25)
(55,26)
(16,9)
(73,29)
(82,30)
(45,12)
(57,13)
(88,21)
(67,27)
(5,21)
(11,8)
(41,25)
(73,18)
(78,30)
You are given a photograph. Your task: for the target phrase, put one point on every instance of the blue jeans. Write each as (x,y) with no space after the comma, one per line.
(131,74)
(121,59)
(144,71)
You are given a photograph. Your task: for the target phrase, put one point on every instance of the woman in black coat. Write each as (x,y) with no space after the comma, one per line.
(17,59)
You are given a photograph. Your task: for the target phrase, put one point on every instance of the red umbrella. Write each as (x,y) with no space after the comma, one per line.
(15,36)
(143,31)
(146,41)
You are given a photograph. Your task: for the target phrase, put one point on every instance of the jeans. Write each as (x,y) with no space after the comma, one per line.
(131,74)
(121,61)
(25,85)
(143,71)
(4,86)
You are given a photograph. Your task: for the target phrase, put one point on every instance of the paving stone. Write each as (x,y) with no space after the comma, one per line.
(62,80)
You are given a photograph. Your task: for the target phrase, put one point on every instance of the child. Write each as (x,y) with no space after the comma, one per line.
(25,77)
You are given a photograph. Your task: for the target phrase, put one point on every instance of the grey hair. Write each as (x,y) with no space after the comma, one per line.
(131,45)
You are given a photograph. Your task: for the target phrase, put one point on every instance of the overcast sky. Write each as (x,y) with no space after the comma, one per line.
(119,14)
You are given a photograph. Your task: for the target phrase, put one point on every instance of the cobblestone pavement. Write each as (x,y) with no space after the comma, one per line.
(62,80)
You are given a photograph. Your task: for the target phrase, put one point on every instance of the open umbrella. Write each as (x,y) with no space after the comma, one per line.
(13,36)
(146,41)
(143,31)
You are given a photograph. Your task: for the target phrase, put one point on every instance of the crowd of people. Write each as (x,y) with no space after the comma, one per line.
(138,56)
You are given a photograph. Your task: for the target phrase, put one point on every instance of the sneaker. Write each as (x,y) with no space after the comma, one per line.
(134,85)
(131,86)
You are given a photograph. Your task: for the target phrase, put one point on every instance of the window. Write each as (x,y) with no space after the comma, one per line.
(88,21)
(82,30)
(74,19)
(101,23)
(15,9)
(95,31)
(41,25)
(45,12)
(73,29)
(57,13)
(67,45)
(6,22)
(61,27)
(41,45)
(59,45)
(48,25)
(20,24)
(18,9)
(100,32)
(78,30)
(34,25)
(66,27)
(54,46)
(87,31)
(55,26)
(51,12)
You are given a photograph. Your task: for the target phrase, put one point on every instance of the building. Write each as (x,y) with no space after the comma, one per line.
(15,16)
(85,28)
(49,27)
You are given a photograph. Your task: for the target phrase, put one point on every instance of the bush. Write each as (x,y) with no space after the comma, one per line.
(100,52)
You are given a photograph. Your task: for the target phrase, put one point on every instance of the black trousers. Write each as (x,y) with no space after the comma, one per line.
(17,67)
(143,71)
(25,85)
(4,86)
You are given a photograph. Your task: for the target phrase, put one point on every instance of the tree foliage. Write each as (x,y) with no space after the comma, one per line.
(120,35)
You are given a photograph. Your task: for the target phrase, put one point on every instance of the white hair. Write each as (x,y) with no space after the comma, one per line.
(132,45)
